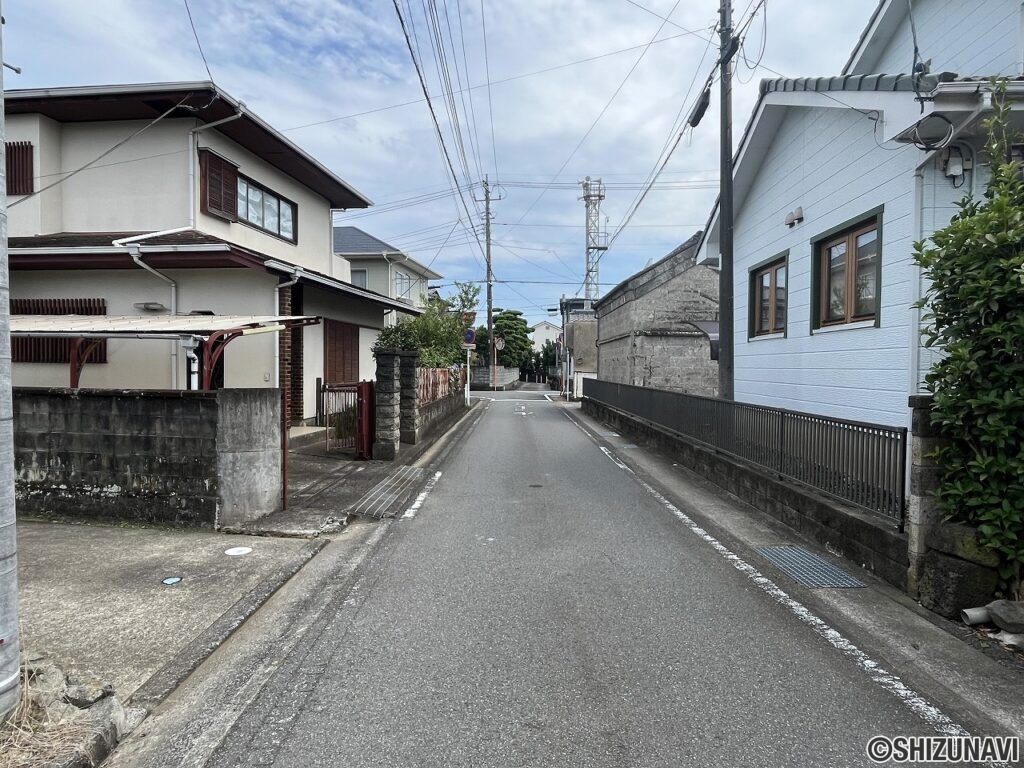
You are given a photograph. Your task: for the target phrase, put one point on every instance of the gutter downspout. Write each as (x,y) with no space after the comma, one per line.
(131,243)
(193,149)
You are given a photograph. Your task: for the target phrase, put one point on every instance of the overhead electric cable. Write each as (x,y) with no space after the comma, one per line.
(199,45)
(490,101)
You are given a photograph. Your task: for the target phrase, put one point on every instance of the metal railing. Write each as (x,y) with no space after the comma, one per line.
(438,383)
(862,463)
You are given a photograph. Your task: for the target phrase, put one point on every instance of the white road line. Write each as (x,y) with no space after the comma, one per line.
(615,459)
(875,672)
(415,507)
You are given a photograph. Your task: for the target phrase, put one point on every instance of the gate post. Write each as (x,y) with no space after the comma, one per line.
(388,405)
(410,401)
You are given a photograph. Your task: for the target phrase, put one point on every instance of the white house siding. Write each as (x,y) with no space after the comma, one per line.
(969,38)
(43,212)
(314,246)
(146,364)
(827,161)
(544,332)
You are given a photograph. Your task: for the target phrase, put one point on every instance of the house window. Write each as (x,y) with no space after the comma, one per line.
(218,185)
(847,272)
(51,350)
(359,278)
(266,210)
(19,168)
(768,299)
(403,286)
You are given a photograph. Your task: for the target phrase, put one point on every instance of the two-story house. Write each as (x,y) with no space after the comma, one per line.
(223,215)
(835,178)
(380,267)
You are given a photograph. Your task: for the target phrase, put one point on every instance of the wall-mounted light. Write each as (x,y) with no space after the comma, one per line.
(150,306)
(795,217)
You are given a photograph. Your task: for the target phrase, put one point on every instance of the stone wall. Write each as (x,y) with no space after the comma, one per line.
(644,333)
(868,541)
(182,458)
(949,570)
(503,377)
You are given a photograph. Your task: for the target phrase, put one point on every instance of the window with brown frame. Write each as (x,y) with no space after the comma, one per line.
(847,273)
(48,350)
(218,186)
(768,299)
(19,168)
(264,209)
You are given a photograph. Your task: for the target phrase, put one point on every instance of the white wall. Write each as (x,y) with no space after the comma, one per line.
(42,213)
(314,246)
(146,364)
(367,364)
(828,162)
(973,39)
(544,332)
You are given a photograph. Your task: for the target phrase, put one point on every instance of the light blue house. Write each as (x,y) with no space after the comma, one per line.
(835,179)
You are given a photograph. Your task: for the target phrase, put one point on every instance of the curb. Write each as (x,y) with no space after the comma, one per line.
(163,682)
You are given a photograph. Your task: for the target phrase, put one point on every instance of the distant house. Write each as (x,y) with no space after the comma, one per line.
(544,332)
(224,215)
(377,266)
(836,177)
(659,328)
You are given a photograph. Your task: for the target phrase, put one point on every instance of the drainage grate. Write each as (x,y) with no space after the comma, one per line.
(381,499)
(808,569)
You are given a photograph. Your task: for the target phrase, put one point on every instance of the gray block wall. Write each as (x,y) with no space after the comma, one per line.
(180,458)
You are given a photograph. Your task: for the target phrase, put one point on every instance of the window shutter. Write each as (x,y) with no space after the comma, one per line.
(219,182)
(19,168)
(37,350)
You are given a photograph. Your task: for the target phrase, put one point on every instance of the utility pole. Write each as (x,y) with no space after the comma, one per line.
(490,280)
(10,656)
(593,194)
(728,45)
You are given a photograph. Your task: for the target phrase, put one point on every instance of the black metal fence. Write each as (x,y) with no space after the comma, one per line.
(861,463)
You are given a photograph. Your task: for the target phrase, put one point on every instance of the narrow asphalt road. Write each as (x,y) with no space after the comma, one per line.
(544,608)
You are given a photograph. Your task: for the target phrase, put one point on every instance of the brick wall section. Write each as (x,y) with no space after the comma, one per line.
(643,336)
(284,365)
(175,457)
(867,541)
(437,416)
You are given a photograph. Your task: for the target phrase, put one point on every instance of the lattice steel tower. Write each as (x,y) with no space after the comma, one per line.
(593,194)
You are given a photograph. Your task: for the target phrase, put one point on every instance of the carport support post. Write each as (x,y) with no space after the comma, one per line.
(409,375)
(388,395)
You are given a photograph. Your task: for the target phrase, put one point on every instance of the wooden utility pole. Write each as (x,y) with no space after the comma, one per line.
(725,279)
(490,280)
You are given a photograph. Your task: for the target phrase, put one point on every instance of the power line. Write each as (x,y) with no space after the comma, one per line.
(490,102)
(510,79)
(593,125)
(195,34)
(99,157)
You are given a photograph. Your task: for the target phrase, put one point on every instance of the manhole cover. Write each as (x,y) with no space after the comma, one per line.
(237,551)
(171,580)
(808,569)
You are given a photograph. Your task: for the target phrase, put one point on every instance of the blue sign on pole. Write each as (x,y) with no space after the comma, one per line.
(469,338)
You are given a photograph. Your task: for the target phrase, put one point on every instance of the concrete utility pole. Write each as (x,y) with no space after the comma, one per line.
(725,282)
(593,194)
(490,280)
(10,656)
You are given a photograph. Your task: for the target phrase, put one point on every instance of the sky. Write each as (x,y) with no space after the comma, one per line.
(534,95)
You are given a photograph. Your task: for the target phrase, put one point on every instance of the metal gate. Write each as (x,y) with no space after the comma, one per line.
(347,412)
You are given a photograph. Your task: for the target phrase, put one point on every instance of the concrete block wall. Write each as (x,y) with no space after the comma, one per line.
(174,457)
(866,540)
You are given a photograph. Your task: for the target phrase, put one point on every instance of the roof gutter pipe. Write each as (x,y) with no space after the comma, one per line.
(135,250)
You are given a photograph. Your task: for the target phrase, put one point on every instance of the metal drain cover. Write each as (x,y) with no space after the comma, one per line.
(808,569)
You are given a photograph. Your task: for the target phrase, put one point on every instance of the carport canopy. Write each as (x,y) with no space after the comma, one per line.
(211,332)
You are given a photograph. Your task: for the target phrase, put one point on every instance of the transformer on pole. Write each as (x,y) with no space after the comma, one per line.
(593,194)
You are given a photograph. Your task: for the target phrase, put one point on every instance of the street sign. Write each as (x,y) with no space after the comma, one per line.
(499,343)
(469,318)
(469,338)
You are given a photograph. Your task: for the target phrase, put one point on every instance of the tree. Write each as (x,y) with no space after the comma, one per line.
(510,326)
(437,333)
(974,311)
